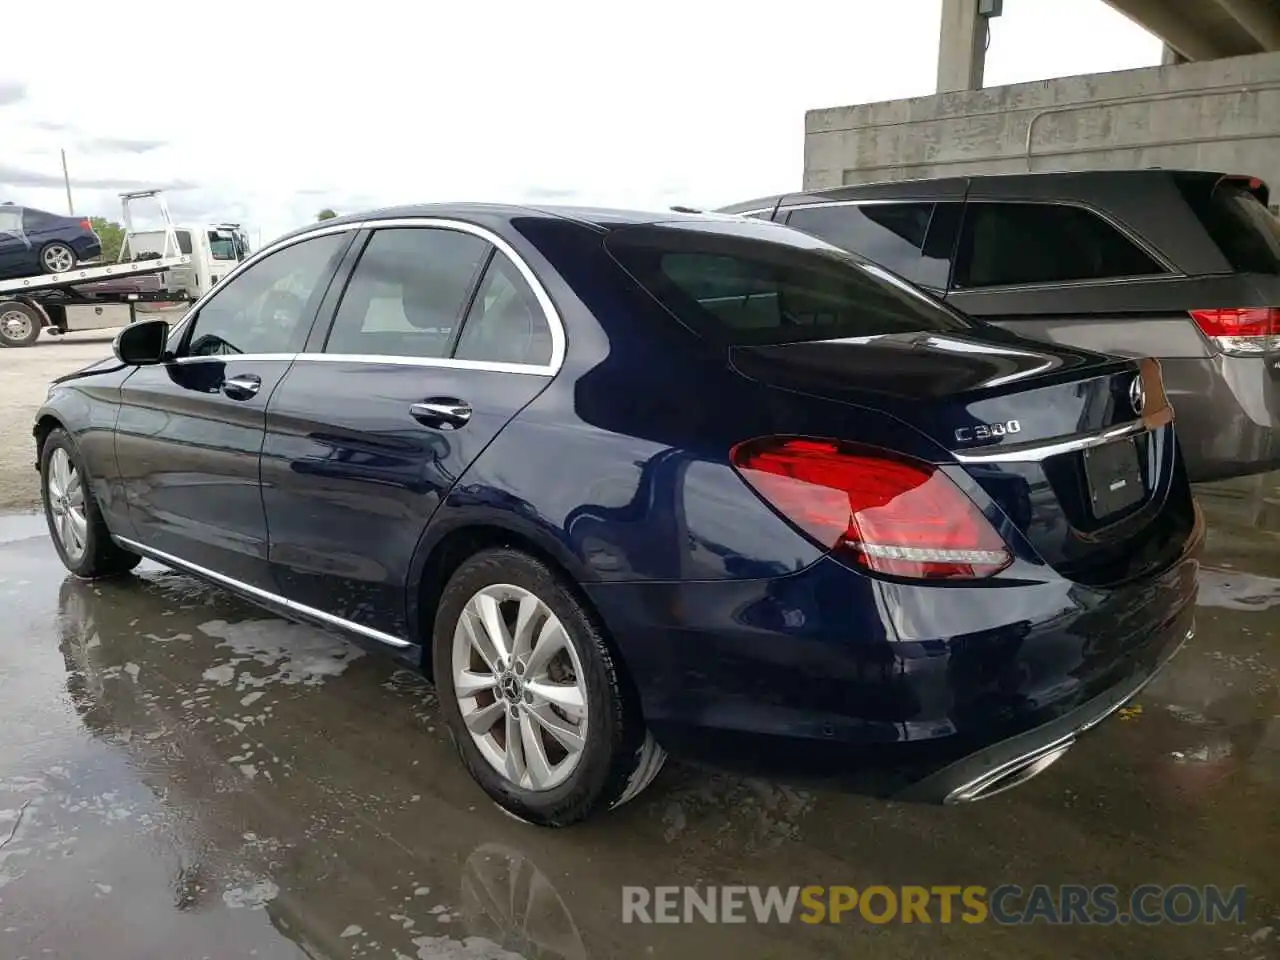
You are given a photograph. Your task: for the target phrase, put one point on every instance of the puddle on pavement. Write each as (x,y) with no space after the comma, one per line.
(182,775)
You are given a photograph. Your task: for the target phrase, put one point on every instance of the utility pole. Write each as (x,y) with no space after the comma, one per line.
(66,179)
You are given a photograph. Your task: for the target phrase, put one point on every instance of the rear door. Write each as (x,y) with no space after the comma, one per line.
(189,432)
(437,341)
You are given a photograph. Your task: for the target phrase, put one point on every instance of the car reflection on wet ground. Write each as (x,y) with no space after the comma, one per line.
(182,775)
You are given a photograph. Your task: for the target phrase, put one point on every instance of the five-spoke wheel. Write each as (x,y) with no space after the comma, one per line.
(57,258)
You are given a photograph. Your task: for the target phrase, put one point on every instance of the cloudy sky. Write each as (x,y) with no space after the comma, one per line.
(266,112)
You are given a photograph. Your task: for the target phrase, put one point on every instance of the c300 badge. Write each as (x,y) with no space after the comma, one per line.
(987,431)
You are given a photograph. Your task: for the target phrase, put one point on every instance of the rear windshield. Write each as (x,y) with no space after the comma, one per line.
(1247,233)
(749,284)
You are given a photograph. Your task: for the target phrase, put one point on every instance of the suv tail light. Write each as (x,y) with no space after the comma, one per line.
(893,514)
(86,225)
(1241,331)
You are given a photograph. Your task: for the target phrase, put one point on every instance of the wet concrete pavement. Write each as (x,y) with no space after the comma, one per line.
(184,776)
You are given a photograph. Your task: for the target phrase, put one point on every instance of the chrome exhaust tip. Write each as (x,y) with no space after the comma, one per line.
(1011,774)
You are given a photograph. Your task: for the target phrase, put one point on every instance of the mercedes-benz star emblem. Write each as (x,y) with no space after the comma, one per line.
(1137,395)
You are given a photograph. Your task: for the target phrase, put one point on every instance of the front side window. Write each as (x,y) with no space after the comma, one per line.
(221,248)
(11,220)
(739,288)
(1017,243)
(505,324)
(890,234)
(268,308)
(407,293)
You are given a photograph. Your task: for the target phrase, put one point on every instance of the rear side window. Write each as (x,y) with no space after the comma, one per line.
(505,324)
(407,293)
(1247,233)
(890,234)
(1010,243)
(743,290)
(35,220)
(184,241)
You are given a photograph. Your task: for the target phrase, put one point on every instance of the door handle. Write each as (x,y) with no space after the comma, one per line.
(444,413)
(242,387)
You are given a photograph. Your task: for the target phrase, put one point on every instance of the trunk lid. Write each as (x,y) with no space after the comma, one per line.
(1074,447)
(1049,432)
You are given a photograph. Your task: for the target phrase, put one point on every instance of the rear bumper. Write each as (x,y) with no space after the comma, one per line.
(888,689)
(1228,414)
(1011,762)
(87,248)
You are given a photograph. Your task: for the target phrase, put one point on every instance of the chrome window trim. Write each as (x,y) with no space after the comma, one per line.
(448,363)
(1039,450)
(267,595)
(227,357)
(555,323)
(374,359)
(868,202)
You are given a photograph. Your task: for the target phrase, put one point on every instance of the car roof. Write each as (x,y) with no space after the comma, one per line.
(1044,183)
(598,218)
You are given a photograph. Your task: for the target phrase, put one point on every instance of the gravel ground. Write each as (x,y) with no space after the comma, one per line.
(24,378)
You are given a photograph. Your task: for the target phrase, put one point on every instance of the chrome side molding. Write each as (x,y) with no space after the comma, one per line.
(266,595)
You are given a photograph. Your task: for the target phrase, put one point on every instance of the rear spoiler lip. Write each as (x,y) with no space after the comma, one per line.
(1255,185)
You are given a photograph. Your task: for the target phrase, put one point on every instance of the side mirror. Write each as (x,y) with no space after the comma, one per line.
(142,343)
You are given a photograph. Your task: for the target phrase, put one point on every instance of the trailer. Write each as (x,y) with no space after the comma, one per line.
(93,296)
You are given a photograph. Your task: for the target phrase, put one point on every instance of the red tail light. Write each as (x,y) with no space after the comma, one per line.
(86,225)
(1241,330)
(893,514)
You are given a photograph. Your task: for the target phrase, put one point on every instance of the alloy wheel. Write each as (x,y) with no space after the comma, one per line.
(65,489)
(58,258)
(520,687)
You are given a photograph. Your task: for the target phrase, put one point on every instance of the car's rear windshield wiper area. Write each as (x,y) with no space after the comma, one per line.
(753,284)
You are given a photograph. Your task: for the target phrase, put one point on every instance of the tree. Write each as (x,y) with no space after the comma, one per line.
(326,214)
(112,236)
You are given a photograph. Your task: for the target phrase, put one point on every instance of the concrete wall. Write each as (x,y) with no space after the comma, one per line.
(1211,115)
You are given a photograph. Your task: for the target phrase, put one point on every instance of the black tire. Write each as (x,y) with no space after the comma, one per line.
(620,758)
(101,556)
(9,336)
(44,253)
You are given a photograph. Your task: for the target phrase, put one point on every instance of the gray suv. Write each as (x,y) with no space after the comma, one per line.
(1183,266)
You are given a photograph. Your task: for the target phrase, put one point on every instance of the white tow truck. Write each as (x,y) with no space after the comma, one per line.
(166,265)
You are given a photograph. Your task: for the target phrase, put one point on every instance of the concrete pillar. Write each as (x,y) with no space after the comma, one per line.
(1171,57)
(962,52)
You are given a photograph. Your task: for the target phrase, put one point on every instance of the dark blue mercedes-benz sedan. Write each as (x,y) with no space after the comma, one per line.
(626,484)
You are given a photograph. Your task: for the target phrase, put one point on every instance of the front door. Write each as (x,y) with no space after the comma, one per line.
(369,432)
(15,250)
(190,431)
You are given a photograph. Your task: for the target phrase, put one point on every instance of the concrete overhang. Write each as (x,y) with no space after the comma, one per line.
(1208,29)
